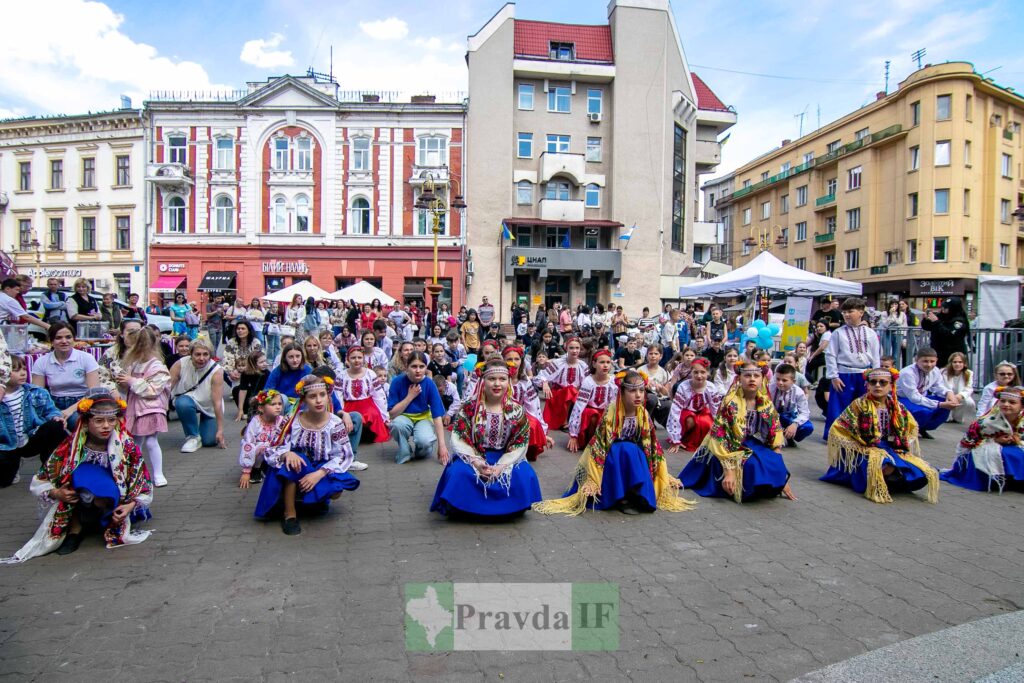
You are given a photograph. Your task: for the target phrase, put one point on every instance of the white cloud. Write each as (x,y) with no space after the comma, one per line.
(263,53)
(82,61)
(391,28)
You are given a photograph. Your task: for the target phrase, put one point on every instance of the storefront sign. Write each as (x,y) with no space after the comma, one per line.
(39,273)
(297,267)
(581,261)
(519,261)
(936,287)
(171,268)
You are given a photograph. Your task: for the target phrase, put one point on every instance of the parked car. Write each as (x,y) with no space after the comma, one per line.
(33,297)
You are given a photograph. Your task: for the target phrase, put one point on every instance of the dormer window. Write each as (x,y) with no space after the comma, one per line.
(564,52)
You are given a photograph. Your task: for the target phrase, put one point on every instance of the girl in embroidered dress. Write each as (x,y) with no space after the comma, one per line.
(260,434)
(597,392)
(95,479)
(741,457)
(873,446)
(488,349)
(309,462)
(725,374)
(145,380)
(853,349)
(622,467)
(565,375)
(362,391)
(1006,376)
(693,409)
(525,394)
(488,475)
(373,356)
(990,454)
(960,379)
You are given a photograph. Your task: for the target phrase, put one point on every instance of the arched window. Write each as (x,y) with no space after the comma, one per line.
(592,197)
(224,214)
(176,215)
(360,221)
(302,213)
(279,215)
(524,193)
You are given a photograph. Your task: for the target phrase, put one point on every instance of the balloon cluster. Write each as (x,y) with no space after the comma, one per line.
(763,334)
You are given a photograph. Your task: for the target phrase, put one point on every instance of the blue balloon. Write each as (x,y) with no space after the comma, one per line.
(751,333)
(765,343)
(775,329)
(758,324)
(764,333)
(470,362)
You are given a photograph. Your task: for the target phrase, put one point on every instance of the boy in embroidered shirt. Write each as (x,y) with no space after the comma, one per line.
(853,349)
(923,391)
(791,403)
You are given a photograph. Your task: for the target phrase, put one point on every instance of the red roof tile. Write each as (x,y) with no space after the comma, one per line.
(593,43)
(706,99)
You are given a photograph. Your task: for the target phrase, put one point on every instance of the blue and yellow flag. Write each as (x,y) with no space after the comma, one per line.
(506,234)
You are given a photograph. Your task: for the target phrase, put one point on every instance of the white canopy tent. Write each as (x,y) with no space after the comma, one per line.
(305,288)
(998,300)
(767,272)
(363,292)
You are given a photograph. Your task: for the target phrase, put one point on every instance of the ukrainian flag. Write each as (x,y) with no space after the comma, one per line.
(506,234)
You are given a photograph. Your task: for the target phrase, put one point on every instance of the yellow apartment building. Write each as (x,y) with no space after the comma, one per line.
(913,195)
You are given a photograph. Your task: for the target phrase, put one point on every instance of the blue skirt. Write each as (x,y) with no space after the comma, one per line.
(927,418)
(912,480)
(854,386)
(96,481)
(269,503)
(458,490)
(626,477)
(764,474)
(964,474)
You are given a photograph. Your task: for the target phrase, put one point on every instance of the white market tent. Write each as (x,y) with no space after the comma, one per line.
(305,288)
(767,272)
(363,292)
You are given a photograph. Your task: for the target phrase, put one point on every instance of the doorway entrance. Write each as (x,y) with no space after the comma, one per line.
(557,289)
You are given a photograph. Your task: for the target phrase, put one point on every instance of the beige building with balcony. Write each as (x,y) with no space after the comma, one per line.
(912,195)
(569,146)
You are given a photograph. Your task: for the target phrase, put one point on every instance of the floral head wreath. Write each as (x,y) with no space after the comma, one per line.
(701,361)
(489,342)
(311,382)
(1012,392)
(101,404)
(888,373)
(266,396)
(620,380)
(738,366)
(495,369)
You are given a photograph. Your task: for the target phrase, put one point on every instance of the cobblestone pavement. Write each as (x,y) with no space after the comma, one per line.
(763,591)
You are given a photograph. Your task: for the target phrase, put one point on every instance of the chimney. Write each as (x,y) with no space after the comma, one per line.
(880,95)
(423,99)
(371,98)
(785,142)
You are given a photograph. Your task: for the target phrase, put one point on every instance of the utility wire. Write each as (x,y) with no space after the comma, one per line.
(784,78)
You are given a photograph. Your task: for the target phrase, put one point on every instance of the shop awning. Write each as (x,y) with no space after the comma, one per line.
(413,290)
(218,280)
(168,284)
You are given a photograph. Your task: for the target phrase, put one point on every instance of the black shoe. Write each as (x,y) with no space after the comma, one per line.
(790,443)
(625,508)
(926,435)
(256,477)
(291,527)
(70,544)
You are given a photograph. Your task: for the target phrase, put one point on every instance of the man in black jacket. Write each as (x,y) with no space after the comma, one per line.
(949,329)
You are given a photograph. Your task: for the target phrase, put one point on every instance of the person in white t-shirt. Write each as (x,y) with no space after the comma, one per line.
(11,311)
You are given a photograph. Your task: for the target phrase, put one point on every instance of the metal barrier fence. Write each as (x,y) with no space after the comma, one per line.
(986,348)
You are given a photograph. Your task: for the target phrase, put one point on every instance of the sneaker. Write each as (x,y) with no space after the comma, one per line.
(291,527)
(17,478)
(358,466)
(192,444)
(159,480)
(256,477)
(70,544)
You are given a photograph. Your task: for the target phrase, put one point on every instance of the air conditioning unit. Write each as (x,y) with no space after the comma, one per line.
(469,279)
(102,283)
(469,267)
(3,201)
(595,117)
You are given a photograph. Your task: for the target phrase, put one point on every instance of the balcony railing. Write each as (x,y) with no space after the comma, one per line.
(771,180)
(824,200)
(879,270)
(857,144)
(824,237)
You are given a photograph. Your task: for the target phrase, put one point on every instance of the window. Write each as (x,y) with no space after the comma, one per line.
(123,233)
(911,251)
(942,201)
(852,259)
(800,263)
(1007,166)
(176,215)
(831,185)
(801,231)
(766,210)
(784,204)
(853,219)
(56,174)
(56,234)
(942,153)
(764,175)
(224,214)
(746,248)
(433,151)
(785,167)
(943,107)
(915,158)
(558,144)
(24,176)
(593,197)
(177,148)
(557,189)
(561,51)
(746,216)
(830,264)
(595,101)
(88,172)
(554,237)
(967,202)
(939,249)
(591,239)
(279,215)
(594,149)
(746,183)
(124,170)
(1004,255)
(280,154)
(808,157)
(967,153)
(912,205)
(524,193)
(24,234)
(969,107)
(1004,210)
(304,153)
(833,146)
(225,154)
(679,183)
(524,236)
(892,257)
(525,146)
(915,114)
(360,154)
(801,195)
(559,99)
(830,224)
(862,133)
(89,233)
(302,213)
(425,220)
(360,224)
(526,96)
(853,178)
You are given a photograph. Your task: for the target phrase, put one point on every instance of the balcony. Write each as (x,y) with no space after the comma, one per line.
(779,177)
(824,239)
(824,202)
(879,270)
(171,177)
(554,163)
(420,174)
(870,140)
(708,152)
(580,262)
(561,209)
(707,233)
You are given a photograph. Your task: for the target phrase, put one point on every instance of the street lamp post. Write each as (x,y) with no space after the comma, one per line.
(432,203)
(766,240)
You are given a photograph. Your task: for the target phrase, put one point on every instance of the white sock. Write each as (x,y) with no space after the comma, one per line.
(154,454)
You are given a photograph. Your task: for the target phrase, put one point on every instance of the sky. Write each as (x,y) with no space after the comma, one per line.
(769,60)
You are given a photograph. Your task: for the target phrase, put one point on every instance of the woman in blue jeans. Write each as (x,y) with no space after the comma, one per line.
(416,410)
(198,395)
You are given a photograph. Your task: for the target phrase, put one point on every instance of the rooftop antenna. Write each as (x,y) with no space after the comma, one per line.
(887,62)
(801,117)
(918,55)
(332,64)
(819,116)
